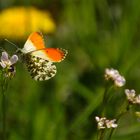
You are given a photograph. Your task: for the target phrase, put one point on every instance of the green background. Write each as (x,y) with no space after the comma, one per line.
(98,34)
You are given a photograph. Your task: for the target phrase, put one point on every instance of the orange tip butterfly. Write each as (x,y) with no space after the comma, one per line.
(39,59)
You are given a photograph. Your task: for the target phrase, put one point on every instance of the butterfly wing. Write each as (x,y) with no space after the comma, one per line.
(51,54)
(35,46)
(39,59)
(39,68)
(34,42)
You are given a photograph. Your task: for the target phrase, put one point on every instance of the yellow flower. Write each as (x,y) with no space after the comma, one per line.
(18,22)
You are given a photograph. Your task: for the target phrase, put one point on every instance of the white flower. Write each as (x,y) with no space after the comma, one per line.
(130,94)
(111,123)
(132,97)
(119,81)
(105,123)
(8,64)
(111,73)
(114,75)
(101,122)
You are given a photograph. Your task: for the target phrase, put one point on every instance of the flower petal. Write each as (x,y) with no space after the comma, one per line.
(3,64)
(4,56)
(119,81)
(13,59)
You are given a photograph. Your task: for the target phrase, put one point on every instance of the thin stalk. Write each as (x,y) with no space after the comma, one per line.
(105,97)
(4,115)
(124,110)
(101,134)
(112,130)
(3,105)
(104,102)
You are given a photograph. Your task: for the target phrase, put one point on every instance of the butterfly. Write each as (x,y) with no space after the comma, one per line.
(39,59)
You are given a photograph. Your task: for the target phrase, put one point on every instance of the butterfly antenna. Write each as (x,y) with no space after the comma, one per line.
(11,43)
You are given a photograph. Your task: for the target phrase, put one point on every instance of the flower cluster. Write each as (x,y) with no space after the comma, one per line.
(114,75)
(105,123)
(8,64)
(132,97)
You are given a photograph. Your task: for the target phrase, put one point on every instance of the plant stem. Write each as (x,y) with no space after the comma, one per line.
(101,134)
(105,97)
(112,130)
(3,104)
(123,111)
(4,115)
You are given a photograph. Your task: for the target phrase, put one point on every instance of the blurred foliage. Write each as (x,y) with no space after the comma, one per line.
(97,34)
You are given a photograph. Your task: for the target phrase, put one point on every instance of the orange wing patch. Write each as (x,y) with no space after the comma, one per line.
(36,47)
(55,54)
(37,40)
(50,54)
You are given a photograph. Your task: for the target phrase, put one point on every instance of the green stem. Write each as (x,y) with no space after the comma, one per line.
(105,98)
(123,111)
(3,105)
(101,134)
(4,115)
(112,130)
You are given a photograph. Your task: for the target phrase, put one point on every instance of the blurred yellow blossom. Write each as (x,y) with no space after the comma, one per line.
(18,22)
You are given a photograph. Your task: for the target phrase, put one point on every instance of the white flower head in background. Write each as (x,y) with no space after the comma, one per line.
(119,81)
(8,64)
(105,123)
(101,122)
(132,97)
(111,123)
(114,75)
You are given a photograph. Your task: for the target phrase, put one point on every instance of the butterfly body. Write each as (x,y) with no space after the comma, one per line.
(39,59)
